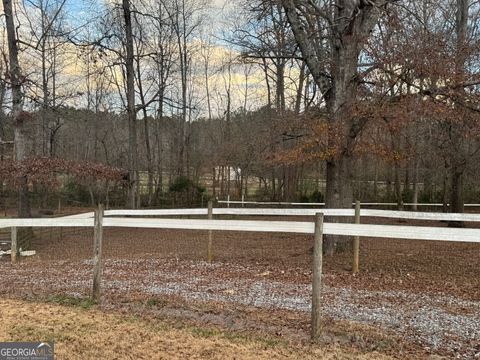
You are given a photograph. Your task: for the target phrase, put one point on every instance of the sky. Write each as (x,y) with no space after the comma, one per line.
(82,10)
(247,81)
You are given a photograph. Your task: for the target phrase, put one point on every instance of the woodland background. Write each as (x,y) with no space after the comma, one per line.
(169,102)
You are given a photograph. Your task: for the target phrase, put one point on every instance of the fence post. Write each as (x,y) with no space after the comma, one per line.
(356,241)
(317,278)
(228,201)
(97,252)
(14,244)
(210,234)
(243,200)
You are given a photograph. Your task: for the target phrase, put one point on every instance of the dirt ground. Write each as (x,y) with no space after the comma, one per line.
(92,334)
(412,299)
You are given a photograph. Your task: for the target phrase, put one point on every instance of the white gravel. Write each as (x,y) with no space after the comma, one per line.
(422,317)
(436,321)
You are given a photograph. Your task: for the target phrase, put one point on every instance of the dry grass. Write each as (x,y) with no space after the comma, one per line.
(81,333)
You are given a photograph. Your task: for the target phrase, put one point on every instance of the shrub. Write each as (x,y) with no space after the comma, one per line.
(185,191)
(316,197)
(183,184)
(74,191)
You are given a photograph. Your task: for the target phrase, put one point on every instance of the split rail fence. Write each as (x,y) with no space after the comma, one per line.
(244,202)
(144,219)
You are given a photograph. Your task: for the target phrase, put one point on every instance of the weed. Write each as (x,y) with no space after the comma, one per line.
(82,302)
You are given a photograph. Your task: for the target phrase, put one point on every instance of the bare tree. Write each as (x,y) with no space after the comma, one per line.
(164,59)
(459,156)
(186,18)
(3,90)
(20,118)
(131,111)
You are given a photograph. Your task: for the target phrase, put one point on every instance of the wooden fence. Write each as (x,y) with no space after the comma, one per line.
(128,218)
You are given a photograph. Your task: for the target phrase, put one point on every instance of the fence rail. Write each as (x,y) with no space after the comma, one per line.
(49,222)
(116,218)
(240,202)
(346,229)
(298,212)
(391,214)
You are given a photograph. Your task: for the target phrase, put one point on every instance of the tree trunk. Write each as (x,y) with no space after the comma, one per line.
(20,123)
(182,42)
(280,87)
(398,186)
(159,140)
(459,153)
(415,185)
(131,111)
(456,195)
(339,194)
(290,182)
(341,137)
(19,117)
(299,93)
(214,183)
(274,186)
(445,190)
(148,149)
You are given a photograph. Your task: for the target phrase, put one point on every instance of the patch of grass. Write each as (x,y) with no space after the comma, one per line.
(383,345)
(23,332)
(204,332)
(82,302)
(154,301)
(366,338)
(237,337)
(267,341)
(93,334)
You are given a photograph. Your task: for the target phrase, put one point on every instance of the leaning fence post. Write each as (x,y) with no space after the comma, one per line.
(97,252)
(14,244)
(210,234)
(356,240)
(317,278)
